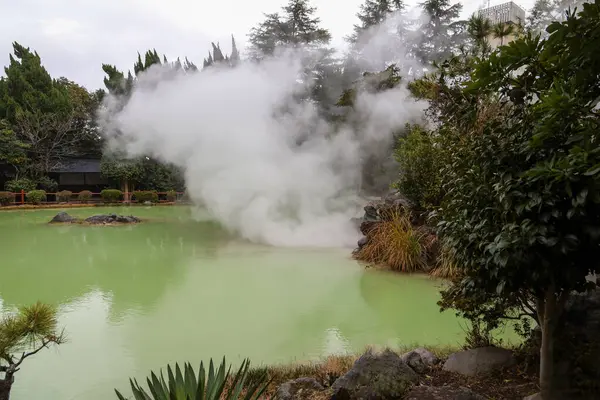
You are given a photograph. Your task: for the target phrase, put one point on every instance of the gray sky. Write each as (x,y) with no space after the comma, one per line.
(74,37)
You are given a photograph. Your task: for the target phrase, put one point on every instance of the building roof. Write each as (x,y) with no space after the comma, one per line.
(79,165)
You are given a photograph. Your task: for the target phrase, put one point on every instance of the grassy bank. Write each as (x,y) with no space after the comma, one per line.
(88,205)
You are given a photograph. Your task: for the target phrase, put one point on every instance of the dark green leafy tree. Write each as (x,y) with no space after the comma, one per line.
(544,12)
(373,13)
(22,335)
(521,212)
(12,151)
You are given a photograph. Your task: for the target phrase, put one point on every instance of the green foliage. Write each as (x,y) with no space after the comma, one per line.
(521,210)
(64,196)
(171,196)
(48,184)
(12,150)
(84,196)
(6,198)
(159,176)
(117,168)
(373,13)
(420,161)
(17,185)
(186,385)
(142,196)
(111,195)
(36,196)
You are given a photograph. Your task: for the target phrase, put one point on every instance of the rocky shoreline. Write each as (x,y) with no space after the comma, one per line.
(415,375)
(101,219)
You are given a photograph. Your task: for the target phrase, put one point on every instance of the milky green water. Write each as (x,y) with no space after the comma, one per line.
(134,298)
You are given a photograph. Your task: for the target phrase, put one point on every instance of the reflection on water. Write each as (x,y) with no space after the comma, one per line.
(135,298)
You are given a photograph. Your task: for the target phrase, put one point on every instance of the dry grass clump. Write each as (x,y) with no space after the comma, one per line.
(396,243)
(445,267)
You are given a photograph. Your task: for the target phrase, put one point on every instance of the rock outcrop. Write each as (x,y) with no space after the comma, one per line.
(63,217)
(111,219)
(479,361)
(298,389)
(376,377)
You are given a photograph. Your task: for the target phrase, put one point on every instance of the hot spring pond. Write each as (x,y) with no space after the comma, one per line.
(134,298)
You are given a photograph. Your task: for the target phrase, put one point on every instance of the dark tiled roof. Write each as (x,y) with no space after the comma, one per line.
(78,166)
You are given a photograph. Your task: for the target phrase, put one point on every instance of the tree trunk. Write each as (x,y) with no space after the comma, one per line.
(5,386)
(549,310)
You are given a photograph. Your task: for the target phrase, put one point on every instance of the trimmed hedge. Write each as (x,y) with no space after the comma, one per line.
(64,196)
(6,198)
(111,195)
(84,196)
(142,196)
(36,196)
(16,185)
(171,196)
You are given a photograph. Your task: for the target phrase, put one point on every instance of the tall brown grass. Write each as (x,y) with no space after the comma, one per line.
(397,244)
(446,267)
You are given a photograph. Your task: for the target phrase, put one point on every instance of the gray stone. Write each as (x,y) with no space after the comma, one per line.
(421,360)
(362,241)
(63,217)
(479,361)
(301,388)
(375,377)
(442,393)
(111,219)
(371,212)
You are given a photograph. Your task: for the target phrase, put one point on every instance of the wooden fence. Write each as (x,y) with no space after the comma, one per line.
(96,198)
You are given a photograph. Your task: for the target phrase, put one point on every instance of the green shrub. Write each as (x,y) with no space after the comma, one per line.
(111,195)
(16,185)
(36,196)
(219,384)
(142,196)
(6,198)
(64,196)
(171,196)
(84,196)
(47,184)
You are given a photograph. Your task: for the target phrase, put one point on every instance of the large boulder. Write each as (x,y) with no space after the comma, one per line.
(479,361)
(421,360)
(442,393)
(375,377)
(63,217)
(301,388)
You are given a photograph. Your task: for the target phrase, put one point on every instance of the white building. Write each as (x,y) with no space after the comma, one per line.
(507,13)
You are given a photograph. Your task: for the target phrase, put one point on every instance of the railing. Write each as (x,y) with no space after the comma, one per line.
(20,198)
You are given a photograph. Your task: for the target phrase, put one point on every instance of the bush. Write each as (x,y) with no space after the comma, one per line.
(111,195)
(171,196)
(16,185)
(64,196)
(36,196)
(142,196)
(84,196)
(6,198)
(396,244)
(49,185)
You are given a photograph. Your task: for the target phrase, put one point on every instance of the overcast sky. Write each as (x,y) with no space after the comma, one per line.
(74,37)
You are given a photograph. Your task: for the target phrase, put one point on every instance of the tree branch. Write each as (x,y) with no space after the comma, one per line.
(45,343)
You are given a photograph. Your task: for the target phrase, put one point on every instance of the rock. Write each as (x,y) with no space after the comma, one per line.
(301,388)
(371,213)
(479,361)
(442,393)
(63,217)
(111,219)
(362,241)
(420,359)
(367,226)
(537,396)
(375,377)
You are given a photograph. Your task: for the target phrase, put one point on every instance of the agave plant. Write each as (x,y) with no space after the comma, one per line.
(187,386)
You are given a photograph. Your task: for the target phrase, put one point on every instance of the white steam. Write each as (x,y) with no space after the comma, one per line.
(225,127)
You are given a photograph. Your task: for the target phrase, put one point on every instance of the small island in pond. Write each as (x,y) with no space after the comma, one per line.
(102,219)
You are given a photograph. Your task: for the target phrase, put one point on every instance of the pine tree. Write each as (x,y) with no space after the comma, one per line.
(373,13)
(217,57)
(442,32)
(295,26)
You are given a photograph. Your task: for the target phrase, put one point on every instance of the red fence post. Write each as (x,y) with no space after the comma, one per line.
(22,196)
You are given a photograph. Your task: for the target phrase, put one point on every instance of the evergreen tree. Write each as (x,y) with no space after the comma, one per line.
(442,31)
(217,57)
(375,12)
(295,26)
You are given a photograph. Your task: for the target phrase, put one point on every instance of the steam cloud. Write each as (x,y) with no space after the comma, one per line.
(274,177)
